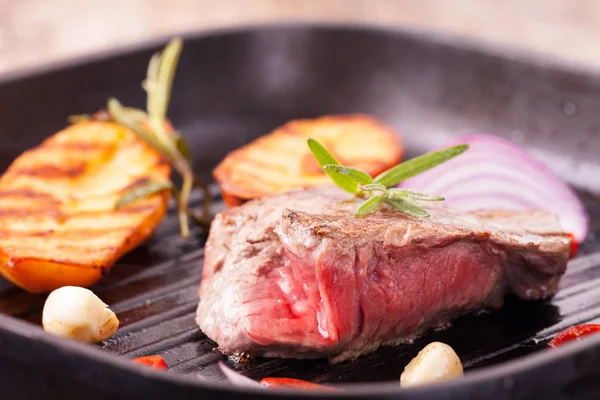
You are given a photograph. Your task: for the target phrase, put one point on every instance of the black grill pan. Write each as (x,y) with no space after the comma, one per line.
(233,86)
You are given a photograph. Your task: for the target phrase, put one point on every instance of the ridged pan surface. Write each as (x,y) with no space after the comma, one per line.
(232,87)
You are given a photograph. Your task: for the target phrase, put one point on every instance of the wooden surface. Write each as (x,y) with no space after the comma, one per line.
(37,31)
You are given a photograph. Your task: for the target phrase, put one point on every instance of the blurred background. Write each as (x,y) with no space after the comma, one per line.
(39,31)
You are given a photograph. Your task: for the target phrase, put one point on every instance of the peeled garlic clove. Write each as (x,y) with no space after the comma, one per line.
(79,314)
(436,362)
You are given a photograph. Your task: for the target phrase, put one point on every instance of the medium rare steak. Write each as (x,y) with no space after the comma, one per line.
(298,276)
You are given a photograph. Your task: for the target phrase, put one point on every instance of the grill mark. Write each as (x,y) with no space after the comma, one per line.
(581,316)
(132,209)
(57,214)
(79,146)
(182,327)
(493,354)
(263,162)
(576,288)
(25,192)
(49,171)
(29,194)
(249,177)
(21,212)
(85,254)
(80,233)
(104,264)
(583,263)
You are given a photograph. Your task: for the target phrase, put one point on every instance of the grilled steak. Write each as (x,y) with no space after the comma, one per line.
(298,276)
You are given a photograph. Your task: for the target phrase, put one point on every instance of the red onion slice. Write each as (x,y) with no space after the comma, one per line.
(495,173)
(238,379)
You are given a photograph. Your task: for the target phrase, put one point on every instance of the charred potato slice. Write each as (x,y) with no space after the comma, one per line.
(281,160)
(58,223)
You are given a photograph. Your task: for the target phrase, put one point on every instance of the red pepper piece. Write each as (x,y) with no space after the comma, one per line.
(291,383)
(573,333)
(574,244)
(155,362)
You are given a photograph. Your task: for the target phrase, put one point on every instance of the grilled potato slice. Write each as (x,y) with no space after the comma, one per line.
(281,160)
(58,223)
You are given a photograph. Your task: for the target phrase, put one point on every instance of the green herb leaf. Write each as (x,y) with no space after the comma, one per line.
(369,206)
(144,190)
(159,80)
(373,187)
(324,157)
(408,207)
(415,166)
(151,74)
(182,146)
(414,194)
(357,175)
(137,115)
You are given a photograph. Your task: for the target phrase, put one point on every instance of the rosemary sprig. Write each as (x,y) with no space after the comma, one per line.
(380,189)
(150,126)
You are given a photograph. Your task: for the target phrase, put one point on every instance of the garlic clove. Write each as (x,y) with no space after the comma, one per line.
(436,362)
(79,314)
